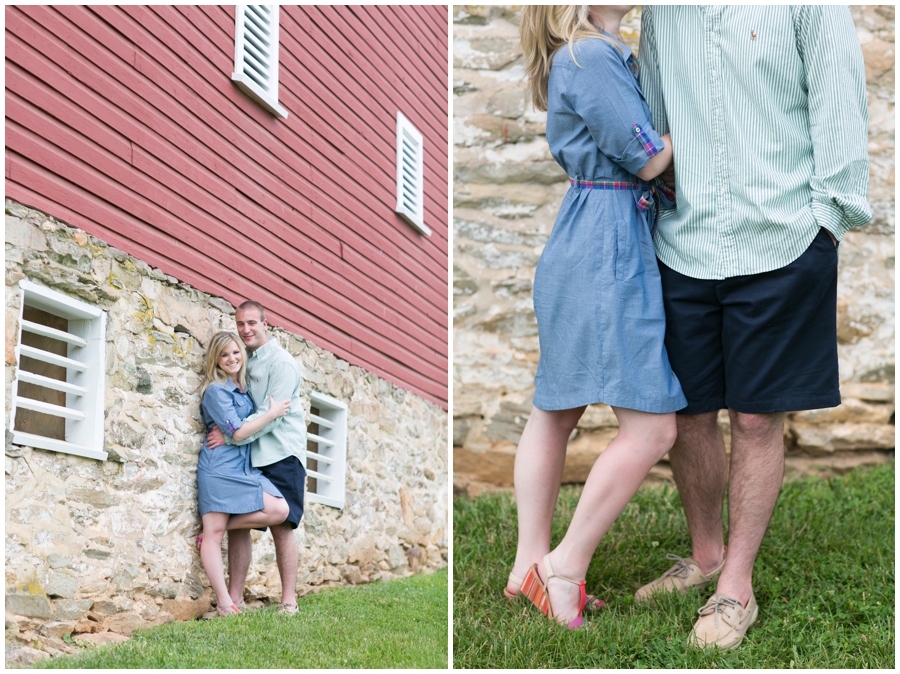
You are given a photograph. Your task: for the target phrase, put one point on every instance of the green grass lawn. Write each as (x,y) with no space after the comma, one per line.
(402,623)
(824,582)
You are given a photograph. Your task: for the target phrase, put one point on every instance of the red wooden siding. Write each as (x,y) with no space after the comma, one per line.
(123,120)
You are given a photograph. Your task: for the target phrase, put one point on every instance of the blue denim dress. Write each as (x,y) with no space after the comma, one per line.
(597,290)
(226,482)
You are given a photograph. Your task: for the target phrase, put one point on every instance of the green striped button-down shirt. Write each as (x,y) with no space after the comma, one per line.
(272,371)
(767,111)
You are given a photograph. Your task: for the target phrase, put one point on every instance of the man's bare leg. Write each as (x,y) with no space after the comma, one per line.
(700,472)
(757,469)
(286,554)
(240,550)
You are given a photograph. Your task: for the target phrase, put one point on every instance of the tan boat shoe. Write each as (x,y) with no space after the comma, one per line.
(723,622)
(683,575)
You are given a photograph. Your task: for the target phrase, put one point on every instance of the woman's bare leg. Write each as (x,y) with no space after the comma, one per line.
(275,511)
(540,458)
(643,440)
(211,555)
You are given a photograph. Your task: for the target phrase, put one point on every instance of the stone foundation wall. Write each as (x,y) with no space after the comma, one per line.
(507,191)
(96,546)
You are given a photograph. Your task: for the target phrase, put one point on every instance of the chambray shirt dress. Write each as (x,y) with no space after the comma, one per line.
(226,482)
(597,290)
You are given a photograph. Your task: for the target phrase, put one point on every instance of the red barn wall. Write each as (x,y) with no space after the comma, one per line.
(123,121)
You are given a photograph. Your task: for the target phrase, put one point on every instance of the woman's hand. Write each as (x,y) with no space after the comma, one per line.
(279,409)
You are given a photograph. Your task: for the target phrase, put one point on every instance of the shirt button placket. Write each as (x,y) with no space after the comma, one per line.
(725,253)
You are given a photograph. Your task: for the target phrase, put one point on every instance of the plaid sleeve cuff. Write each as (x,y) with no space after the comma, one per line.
(645,141)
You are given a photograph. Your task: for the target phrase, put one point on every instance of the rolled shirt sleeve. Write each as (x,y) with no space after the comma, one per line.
(219,404)
(838,115)
(604,93)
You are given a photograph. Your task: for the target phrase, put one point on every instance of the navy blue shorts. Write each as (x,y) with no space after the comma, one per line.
(759,343)
(289,476)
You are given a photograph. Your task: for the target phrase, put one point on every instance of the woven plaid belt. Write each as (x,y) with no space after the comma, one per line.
(655,195)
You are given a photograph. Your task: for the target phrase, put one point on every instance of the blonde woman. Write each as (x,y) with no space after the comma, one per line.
(232,494)
(597,298)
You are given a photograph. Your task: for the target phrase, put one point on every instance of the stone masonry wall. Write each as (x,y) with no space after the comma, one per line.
(108,546)
(507,191)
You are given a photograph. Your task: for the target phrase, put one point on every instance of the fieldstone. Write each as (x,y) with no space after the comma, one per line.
(598,416)
(87,627)
(70,609)
(492,53)
(96,554)
(104,607)
(351,574)
(124,623)
(508,102)
(61,584)
(123,579)
(193,585)
(396,556)
(826,438)
(485,233)
(57,630)
(165,590)
(879,392)
(23,656)
(29,605)
(23,234)
(362,550)
(186,610)
(509,422)
(100,639)
(58,561)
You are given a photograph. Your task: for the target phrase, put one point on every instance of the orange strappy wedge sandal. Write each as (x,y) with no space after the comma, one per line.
(536,590)
(593,604)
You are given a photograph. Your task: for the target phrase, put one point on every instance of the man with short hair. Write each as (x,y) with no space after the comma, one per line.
(766,107)
(279,451)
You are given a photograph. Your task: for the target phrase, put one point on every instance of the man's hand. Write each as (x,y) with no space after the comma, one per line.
(831,236)
(216,438)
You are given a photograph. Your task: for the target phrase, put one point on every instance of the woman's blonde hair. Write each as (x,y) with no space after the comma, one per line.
(213,373)
(543,30)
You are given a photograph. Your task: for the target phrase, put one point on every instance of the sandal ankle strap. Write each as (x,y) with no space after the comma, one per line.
(553,574)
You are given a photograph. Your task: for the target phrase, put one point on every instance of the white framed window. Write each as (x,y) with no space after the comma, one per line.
(256,54)
(326,455)
(58,392)
(410,174)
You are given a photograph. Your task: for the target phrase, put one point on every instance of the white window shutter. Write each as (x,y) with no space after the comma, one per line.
(256,54)
(330,455)
(60,374)
(410,174)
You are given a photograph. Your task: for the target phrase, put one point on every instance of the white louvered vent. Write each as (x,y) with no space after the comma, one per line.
(326,453)
(256,54)
(58,392)
(410,174)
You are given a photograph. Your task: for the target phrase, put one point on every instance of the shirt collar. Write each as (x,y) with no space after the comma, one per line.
(626,50)
(258,353)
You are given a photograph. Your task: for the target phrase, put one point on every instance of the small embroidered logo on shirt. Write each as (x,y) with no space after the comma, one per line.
(752,34)
(645,142)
